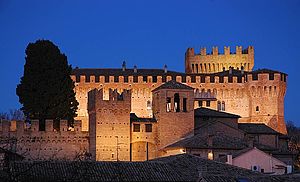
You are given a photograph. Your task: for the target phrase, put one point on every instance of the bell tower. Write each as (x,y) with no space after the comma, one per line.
(173,108)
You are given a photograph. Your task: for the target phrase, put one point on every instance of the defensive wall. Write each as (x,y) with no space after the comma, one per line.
(241,92)
(27,140)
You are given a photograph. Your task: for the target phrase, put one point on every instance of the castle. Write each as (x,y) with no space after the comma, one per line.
(132,114)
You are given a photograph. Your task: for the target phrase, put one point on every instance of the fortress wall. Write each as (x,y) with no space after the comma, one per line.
(110,124)
(143,143)
(234,91)
(39,145)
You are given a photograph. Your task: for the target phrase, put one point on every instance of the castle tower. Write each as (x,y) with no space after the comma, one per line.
(173,108)
(215,62)
(267,89)
(109,125)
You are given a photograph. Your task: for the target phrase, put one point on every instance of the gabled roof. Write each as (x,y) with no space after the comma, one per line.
(257,128)
(135,118)
(200,169)
(173,85)
(219,141)
(206,112)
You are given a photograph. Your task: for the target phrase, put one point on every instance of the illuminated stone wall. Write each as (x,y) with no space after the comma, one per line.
(33,144)
(216,62)
(241,95)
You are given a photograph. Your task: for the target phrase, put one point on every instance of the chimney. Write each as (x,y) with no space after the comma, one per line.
(229,159)
(165,69)
(134,69)
(124,66)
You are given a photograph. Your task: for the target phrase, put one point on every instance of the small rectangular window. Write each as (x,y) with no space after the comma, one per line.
(136,127)
(168,104)
(148,127)
(208,103)
(200,103)
(184,105)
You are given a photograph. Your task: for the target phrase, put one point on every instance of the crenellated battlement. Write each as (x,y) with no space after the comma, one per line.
(215,51)
(215,62)
(21,127)
(237,76)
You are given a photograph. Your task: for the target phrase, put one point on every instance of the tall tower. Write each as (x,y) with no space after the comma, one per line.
(267,89)
(215,62)
(109,125)
(173,108)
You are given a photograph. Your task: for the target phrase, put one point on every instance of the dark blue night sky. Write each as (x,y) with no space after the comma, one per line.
(101,34)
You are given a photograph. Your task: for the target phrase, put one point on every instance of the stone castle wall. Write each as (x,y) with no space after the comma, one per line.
(216,62)
(109,125)
(33,144)
(240,94)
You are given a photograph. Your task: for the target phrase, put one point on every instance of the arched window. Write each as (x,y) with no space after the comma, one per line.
(223,106)
(176,102)
(257,108)
(149,105)
(219,105)
(168,104)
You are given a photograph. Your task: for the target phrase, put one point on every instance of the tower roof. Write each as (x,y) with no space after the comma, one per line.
(173,85)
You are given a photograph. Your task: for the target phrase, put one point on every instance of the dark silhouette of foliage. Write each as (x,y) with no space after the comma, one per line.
(46,89)
(13,114)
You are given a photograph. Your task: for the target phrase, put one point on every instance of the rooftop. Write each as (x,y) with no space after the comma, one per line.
(135,118)
(173,85)
(202,111)
(219,141)
(182,167)
(256,128)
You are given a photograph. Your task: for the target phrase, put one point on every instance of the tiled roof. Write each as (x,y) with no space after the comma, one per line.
(135,118)
(173,85)
(199,169)
(94,171)
(219,141)
(120,72)
(157,72)
(182,167)
(256,128)
(202,111)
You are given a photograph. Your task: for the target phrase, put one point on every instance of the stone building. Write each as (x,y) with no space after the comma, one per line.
(134,114)
(235,89)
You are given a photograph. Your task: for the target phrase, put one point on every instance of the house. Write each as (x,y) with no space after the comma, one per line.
(257,160)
